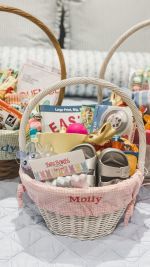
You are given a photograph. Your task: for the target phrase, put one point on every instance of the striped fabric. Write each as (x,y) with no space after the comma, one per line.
(78,63)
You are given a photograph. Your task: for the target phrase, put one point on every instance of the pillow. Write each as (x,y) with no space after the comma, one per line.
(18,31)
(96,24)
(78,63)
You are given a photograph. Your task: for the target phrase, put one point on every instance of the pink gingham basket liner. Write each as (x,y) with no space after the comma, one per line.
(77,203)
(63,201)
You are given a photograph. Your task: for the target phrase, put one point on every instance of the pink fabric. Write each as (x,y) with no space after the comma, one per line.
(93,201)
(129,211)
(21,189)
(136,138)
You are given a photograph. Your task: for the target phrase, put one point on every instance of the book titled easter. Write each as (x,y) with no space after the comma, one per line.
(54,118)
(64,164)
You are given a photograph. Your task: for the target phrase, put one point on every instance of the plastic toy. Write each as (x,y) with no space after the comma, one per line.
(35,122)
(132,159)
(116,100)
(101,136)
(123,144)
(77,128)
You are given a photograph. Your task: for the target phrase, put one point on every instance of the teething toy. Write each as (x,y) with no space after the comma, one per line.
(101,136)
(116,100)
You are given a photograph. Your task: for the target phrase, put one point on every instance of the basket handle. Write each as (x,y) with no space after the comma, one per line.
(94,81)
(51,37)
(114,47)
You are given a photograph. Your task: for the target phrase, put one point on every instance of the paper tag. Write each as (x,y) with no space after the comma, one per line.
(60,165)
(35,77)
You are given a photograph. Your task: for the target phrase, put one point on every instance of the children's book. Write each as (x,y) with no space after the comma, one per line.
(33,78)
(54,118)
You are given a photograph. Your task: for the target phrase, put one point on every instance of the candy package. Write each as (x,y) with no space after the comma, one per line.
(9,117)
(8,82)
(140,80)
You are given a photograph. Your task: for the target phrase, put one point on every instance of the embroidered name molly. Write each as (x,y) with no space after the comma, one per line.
(90,199)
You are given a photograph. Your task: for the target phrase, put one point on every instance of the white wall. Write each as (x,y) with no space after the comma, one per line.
(121,15)
(96,24)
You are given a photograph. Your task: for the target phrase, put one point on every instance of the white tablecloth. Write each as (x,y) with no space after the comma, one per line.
(26,242)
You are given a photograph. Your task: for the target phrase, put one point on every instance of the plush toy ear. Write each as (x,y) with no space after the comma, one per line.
(21,155)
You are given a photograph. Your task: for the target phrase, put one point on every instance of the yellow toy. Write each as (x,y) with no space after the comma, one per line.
(132,160)
(146,118)
(116,100)
(101,136)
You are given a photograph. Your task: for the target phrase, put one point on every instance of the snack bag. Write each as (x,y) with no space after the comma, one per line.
(8,81)
(140,80)
(9,117)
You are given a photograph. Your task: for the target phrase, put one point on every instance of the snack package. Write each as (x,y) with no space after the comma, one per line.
(9,117)
(121,119)
(8,81)
(54,118)
(140,80)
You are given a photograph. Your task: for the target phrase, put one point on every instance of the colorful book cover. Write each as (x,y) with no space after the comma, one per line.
(33,78)
(87,116)
(54,118)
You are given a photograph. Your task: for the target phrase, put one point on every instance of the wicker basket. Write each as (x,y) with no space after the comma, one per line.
(105,63)
(8,164)
(83,213)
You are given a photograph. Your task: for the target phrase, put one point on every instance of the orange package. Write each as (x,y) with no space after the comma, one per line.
(9,117)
